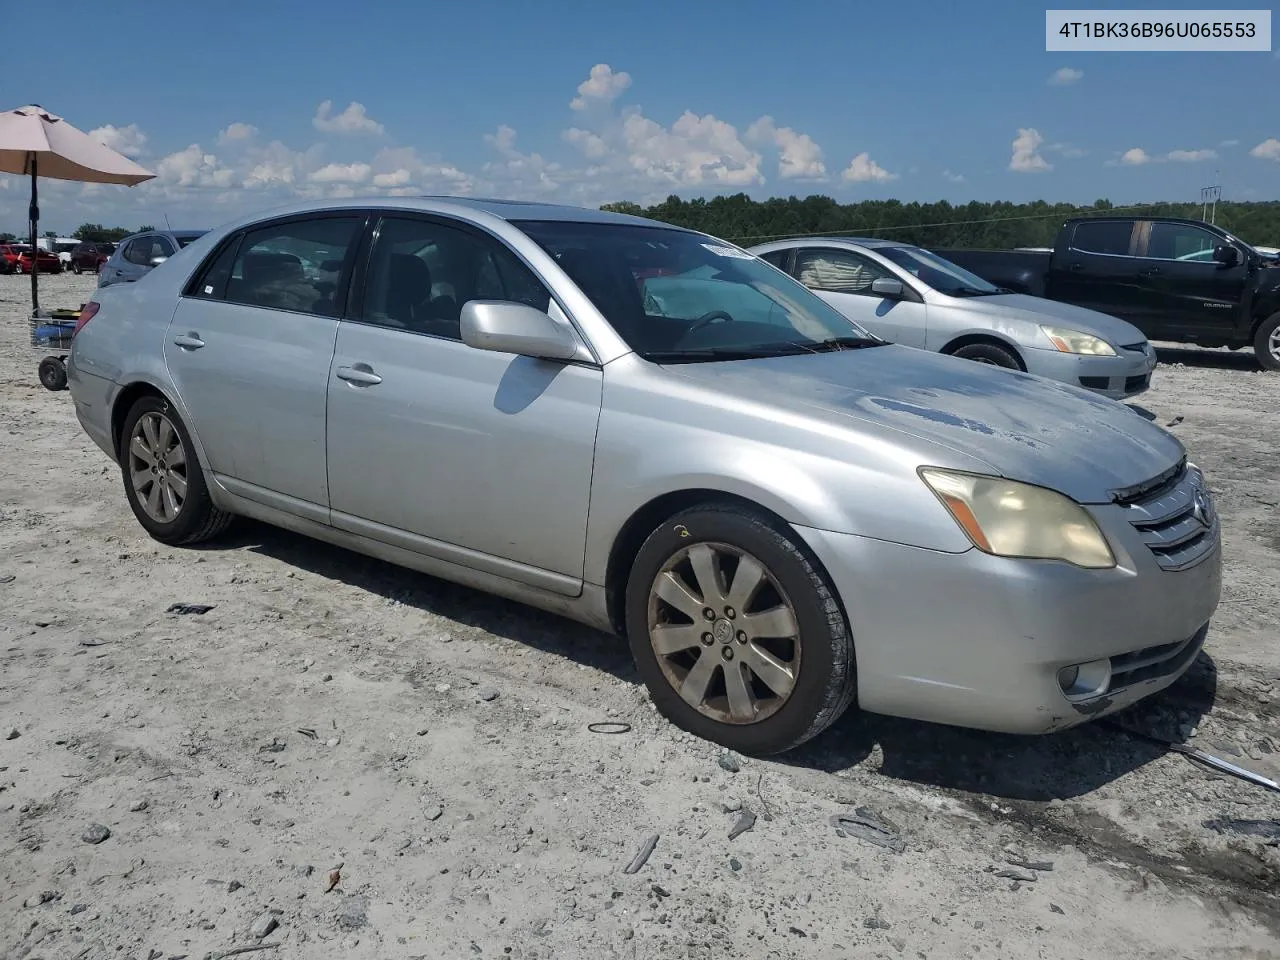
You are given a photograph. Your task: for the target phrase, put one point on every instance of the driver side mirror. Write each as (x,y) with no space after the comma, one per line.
(156,261)
(517,328)
(1226,254)
(887,287)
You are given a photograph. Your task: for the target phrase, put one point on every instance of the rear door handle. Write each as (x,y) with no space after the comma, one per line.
(190,341)
(359,373)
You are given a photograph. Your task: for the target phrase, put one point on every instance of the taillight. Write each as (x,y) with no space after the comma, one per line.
(86,314)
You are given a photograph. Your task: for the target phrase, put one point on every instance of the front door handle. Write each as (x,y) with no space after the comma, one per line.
(359,373)
(189,341)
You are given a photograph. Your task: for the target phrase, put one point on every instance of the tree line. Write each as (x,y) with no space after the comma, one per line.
(998,225)
(94,232)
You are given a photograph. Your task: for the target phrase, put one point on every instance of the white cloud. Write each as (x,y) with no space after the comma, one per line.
(401,171)
(953,177)
(1026,158)
(1065,77)
(193,167)
(862,169)
(1268,149)
(601,86)
(130,140)
(353,120)
(237,131)
(801,157)
(696,151)
(396,178)
(342,173)
(1190,156)
(591,144)
(517,174)
(1135,157)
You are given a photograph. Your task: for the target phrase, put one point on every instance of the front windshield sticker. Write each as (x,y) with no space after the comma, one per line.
(729,252)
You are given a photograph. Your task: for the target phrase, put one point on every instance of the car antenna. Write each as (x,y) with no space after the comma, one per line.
(166,223)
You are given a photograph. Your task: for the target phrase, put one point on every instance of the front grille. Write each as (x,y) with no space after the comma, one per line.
(1095,383)
(1128,669)
(1136,383)
(1176,520)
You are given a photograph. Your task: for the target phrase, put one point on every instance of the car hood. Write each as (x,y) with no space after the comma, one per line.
(1023,427)
(1018,306)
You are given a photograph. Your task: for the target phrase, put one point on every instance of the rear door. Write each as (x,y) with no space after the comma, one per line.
(843,278)
(249,349)
(1191,291)
(133,261)
(1096,268)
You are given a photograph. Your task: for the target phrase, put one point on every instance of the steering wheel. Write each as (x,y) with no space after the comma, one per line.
(706,320)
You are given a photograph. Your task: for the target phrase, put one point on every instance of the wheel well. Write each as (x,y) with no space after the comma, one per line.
(124,403)
(973,338)
(1262,318)
(642,523)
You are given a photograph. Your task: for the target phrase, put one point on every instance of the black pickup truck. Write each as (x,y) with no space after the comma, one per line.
(1179,280)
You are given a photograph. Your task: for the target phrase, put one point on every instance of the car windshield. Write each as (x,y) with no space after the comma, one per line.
(942,275)
(679,297)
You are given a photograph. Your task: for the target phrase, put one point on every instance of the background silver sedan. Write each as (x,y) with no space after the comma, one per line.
(911,296)
(661,435)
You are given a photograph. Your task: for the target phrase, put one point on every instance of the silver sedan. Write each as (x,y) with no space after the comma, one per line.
(914,297)
(659,434)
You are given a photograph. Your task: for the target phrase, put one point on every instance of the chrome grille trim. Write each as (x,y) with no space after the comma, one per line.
(1177,523)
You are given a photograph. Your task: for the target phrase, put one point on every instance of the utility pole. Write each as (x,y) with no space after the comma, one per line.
(1209,197)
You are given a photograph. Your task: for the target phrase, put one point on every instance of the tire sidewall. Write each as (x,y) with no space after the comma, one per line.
(196,505)
(1261,347)
(826,663)
(1002,357)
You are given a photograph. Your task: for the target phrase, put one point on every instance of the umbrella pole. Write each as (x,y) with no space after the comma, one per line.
(35,250)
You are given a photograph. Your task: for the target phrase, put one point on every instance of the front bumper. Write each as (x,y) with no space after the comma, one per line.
(977,641)
(1119,377)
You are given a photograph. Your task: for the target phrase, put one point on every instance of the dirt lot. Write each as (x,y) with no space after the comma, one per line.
(431,744)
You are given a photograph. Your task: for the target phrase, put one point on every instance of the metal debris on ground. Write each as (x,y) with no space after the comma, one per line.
(236,951)
(93,642)
(764,807)
(307,732)
(1268,830)
(1026,876)
(642,855)
(7,578)
(1175,421)
(867,825)
(1042,866)
(1208,760)
(185,609)
(746,820)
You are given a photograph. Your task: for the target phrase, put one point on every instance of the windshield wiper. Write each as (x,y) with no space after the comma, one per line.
(851,343)
(975,292)
(713,353)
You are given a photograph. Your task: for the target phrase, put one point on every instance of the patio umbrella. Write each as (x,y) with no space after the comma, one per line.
(36,142)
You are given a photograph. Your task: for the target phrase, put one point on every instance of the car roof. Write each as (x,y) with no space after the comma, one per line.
(871,243)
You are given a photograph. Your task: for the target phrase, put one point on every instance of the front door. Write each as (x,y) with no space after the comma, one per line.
(843,278)
(1194,292)
(250,350)
(471,456)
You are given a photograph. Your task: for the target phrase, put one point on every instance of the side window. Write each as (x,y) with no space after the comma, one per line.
(1103,236)
(161,247)
(776,257)
(139,251)
(212,284)
(421,273)
(293,266)
(1181,241)
(837,271)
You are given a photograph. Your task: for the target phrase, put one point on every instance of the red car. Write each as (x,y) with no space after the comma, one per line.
(46,261)
(91,255)
(9,257)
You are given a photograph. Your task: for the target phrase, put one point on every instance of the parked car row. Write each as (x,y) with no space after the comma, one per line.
(83,257)
(17,258)
(1179,280)
(662,435)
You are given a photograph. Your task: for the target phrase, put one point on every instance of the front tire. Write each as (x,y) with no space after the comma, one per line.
(989,353)
(1266,343)
(737,632)
(75,268)
(163,481)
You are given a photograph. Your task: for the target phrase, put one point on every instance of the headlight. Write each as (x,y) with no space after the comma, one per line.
(1073,341)
(1010,519)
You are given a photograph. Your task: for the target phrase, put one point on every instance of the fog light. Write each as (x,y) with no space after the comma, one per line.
(1081,681)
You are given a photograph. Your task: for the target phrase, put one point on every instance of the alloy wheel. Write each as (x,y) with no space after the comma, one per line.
(158,467)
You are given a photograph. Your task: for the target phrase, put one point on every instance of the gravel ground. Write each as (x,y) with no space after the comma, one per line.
(176,785)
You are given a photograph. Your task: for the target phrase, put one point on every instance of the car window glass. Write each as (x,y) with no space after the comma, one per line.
(213,282)
(293,266)
(776,257)
(139,251)
(1103,236)
(421,273)
(1180,241)
(161,247)
(837,271)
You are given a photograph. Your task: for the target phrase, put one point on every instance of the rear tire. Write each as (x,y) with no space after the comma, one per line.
(75,268)
(53,374)
(163,481)
(1266,343)
(989,353)
(788,631)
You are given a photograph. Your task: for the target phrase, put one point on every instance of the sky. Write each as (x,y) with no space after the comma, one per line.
(238,107)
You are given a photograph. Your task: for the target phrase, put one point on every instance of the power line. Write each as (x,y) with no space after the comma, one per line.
(848,231)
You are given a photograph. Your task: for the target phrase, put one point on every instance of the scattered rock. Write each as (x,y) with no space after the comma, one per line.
(41,898)
(327,677)
(434,812)
(866,825)
(875,923)
(79,908)
(423,732)
(13,734)
(95,833)
(263,926)
(731,805)
(734,864)
(797,931)
(443,688)
(1054,908)
(488,694)
(275,746)
(1014,873)
(138,806)
(729,762)
(746,820)
(352,913)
